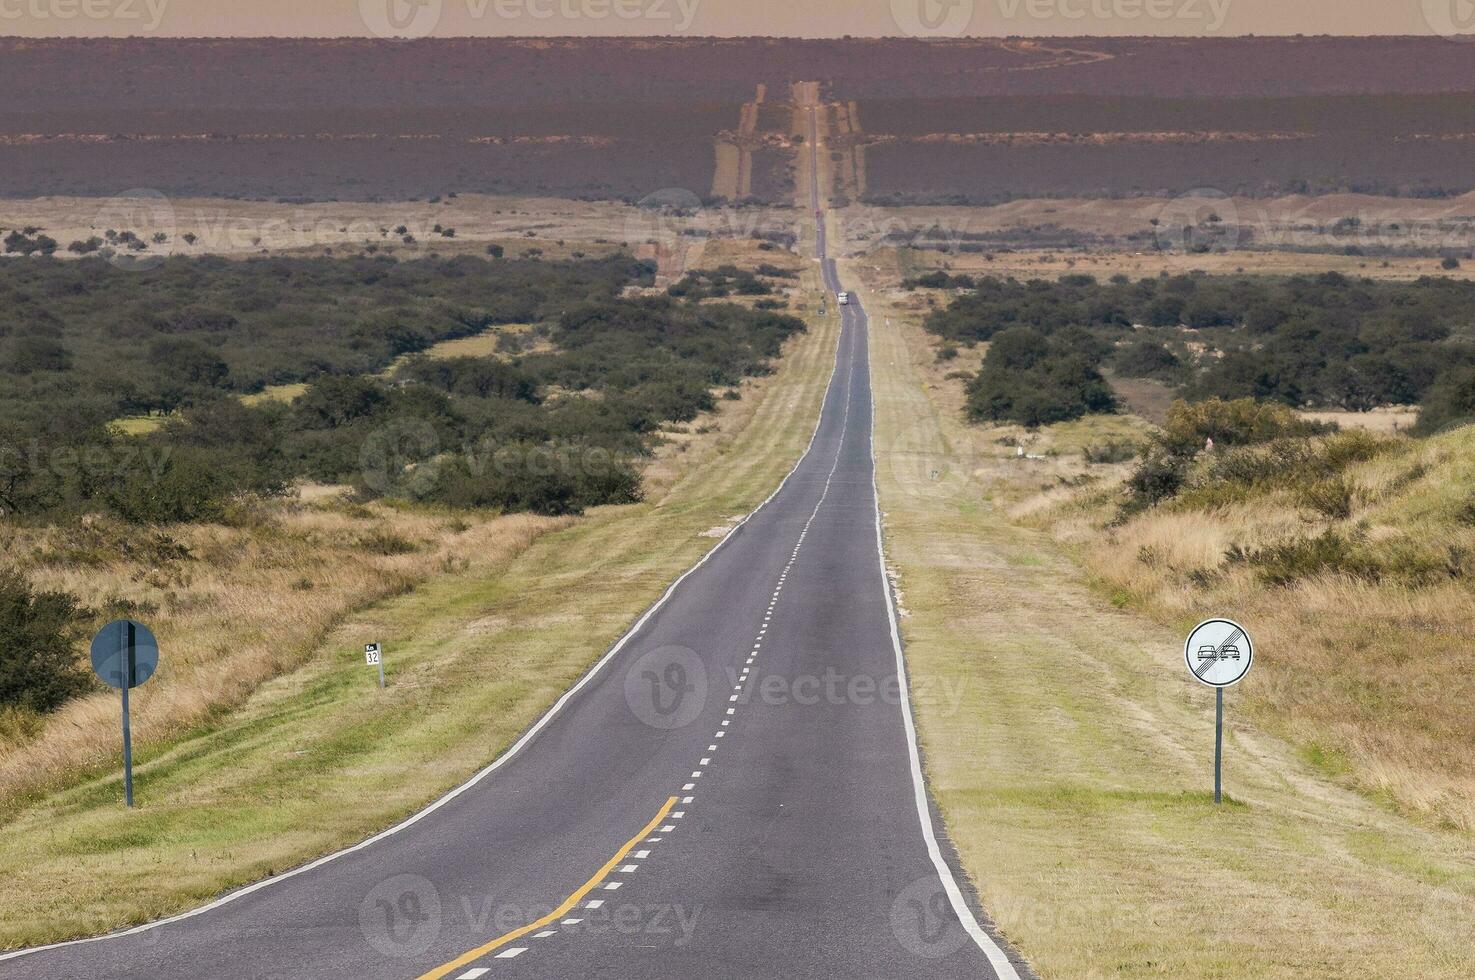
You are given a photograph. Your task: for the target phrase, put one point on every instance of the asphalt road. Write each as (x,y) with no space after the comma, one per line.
(732,792)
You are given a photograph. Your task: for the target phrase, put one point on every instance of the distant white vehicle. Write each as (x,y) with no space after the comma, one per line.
(844,299)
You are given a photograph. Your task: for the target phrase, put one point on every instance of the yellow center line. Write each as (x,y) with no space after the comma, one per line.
(473,955)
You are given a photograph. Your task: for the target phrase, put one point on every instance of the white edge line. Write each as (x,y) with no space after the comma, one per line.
(512,751)
(997,958)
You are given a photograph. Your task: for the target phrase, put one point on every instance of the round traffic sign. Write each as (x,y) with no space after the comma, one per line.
(1219,652)
(110,653)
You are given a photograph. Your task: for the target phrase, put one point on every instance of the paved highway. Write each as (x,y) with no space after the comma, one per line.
(733,791)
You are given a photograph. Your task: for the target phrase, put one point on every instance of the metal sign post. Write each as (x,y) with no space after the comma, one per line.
(1218,653)
(1218,745)
(124,655)
(374,656)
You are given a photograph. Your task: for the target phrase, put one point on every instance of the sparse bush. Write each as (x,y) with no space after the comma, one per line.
(1158,477)
(1290,561)
(1333,498)
(382,542)
(1112,451)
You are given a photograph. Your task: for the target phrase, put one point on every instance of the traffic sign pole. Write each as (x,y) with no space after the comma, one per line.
(124,655)
(1219,745)
(381,669)
(1218,654)
(130,644)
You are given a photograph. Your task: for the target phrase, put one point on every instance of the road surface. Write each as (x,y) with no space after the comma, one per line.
(732,792)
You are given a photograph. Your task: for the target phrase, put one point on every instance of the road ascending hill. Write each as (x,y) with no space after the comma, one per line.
(733,791)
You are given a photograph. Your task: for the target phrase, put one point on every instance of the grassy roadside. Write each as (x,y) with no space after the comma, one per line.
(319,758)
(1074,775)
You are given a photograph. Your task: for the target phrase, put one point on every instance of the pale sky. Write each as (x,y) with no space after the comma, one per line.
(804,18)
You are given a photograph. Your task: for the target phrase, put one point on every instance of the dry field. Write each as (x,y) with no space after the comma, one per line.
(674,229)
(225,227)
(1399,237)
(1075,773)
(1393,720)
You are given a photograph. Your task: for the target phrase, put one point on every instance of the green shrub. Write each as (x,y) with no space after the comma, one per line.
(1241,422)
(1145,359)
(550,480)
(1028,378)
(1258,447)
(39,634)
(1450,403)
(188,487)
(1160,476)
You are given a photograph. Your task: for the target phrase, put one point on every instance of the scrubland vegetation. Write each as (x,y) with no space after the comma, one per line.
(1351,554)
(1352,557)
(1326,341)
(556,418)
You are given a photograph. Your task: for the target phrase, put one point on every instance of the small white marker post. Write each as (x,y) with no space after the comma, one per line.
(374,657)
(1218,653)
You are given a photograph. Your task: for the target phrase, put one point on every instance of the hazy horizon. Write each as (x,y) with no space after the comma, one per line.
(725,18)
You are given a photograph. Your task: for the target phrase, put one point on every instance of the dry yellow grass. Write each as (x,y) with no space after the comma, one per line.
(1074,775)
(276,393)
(1371,678)
(1034,263)
(1388,420)
(1282,227)
(246,604)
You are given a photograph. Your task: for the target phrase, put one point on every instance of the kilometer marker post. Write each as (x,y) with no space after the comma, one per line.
(374,657)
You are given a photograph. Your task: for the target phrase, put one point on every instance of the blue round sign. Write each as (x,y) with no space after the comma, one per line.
(124,649)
